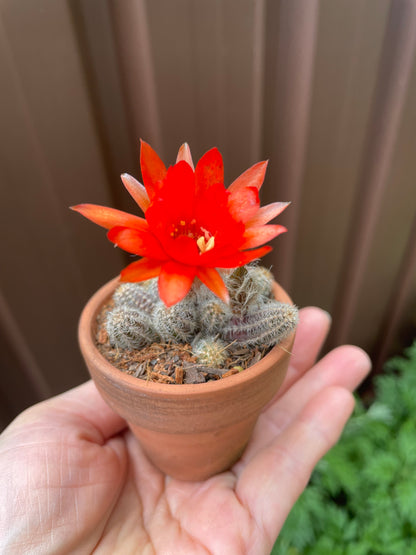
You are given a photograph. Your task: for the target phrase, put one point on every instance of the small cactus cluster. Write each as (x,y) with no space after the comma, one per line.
(253,317)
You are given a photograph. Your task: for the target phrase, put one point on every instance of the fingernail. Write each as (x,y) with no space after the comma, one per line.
(328,315)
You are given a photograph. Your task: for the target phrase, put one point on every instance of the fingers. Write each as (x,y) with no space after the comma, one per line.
(344,367)
(82,408)
(270,484)
(311,333)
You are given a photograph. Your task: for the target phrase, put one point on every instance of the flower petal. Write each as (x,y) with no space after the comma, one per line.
(175,281)
(153,169)
(137,191)
(209,170)
(242,258)
(267,213)
(244,203)
(179,188)
(255,236)
(184,153)
(141,270)
(253,177)
(183,249)
(110,217)
(138,242)
(212,279)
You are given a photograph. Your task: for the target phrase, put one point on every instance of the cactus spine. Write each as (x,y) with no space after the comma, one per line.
(137,295)
(129,328)
(177,323)
(249,285)
(210,351)
(265,324)
(253,317)
(213,312)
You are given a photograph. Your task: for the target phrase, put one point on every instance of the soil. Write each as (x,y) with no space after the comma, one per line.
(172,363)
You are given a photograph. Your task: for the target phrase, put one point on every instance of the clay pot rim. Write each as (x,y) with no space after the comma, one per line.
(87,345)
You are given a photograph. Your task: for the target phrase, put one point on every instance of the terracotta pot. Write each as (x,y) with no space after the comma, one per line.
(190,432)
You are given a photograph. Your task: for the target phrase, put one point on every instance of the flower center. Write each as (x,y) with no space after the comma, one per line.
(202,236)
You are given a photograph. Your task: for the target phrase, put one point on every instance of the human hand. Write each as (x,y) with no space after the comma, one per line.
(73,479)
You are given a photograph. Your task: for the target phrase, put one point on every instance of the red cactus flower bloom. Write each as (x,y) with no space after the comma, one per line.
(192,224)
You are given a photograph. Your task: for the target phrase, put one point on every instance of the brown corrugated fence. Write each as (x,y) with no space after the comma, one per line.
(325,89)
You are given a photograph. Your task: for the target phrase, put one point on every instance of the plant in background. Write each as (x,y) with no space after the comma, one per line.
(362,496)
(195,282)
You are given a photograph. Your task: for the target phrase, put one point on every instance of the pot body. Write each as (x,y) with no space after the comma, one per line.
(190,432)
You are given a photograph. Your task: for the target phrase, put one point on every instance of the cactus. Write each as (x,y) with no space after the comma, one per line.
(213,312)
(178,323)
(137,295)
(264,324)
(261,279)
(129,328)
(249,285)
(253,318)
(210,351)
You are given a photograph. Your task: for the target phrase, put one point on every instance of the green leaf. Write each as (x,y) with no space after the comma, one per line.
(362,496)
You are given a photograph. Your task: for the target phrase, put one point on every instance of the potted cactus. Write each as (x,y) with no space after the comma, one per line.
(194,338)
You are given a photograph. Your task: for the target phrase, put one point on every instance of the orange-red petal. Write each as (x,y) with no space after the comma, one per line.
(209,170)
(153,169)
(175,281)
(183,249)
(137,191)
(244,203)
(256,236)
(267,213)
(241,258)
(184,153)
(110,217)
(212,279)
(253,177)
(141,270)
(179,190)
(142,243)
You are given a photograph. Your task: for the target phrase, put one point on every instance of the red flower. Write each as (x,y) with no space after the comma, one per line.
(192,224)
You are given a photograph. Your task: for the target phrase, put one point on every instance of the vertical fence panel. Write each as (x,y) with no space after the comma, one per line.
(400,295)
(49,160)
(395,70)
(350,35)
(296,28)
(137,69)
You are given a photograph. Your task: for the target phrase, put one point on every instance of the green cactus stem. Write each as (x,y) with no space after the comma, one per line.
(210,351)
(213,312)
(253,317)
(261,280)
(178,323)
(249,285)
(264,324)
(129,328)
(141,296)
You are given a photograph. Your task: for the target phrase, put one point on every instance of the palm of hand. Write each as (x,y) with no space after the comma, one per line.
(73,479)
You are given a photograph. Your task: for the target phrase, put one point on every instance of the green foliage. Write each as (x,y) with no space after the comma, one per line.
(361,499)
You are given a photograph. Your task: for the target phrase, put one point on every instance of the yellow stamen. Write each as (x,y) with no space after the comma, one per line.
(201,243)
(210,244)
(204,245)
